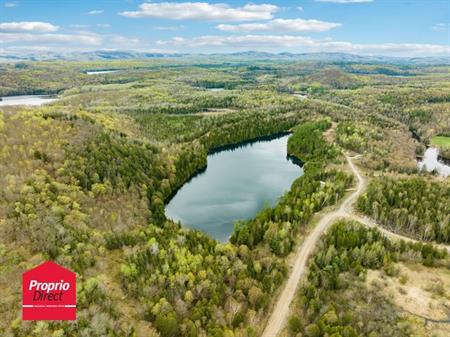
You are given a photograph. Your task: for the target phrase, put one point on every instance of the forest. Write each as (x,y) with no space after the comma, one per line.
(416,207)
(83,173)
(85,181)
(77,166)
(335,285)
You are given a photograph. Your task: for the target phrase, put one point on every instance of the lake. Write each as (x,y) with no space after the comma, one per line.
(215,89)
(430,162)
(97,72)
(236,184)
(301,96)
(34,100)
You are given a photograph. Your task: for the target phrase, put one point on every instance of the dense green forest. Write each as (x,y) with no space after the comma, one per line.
(416,207)
(333,301)
(85,180)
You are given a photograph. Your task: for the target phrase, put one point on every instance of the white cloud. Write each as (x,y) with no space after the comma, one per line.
(203,11)
(38,49)
(305,44)
(299,8)
(344,1)
(28,26)
(10,4)
(69,40)
(124,42)
(79,26)
(440,27)
(96,12)
(81,38)
(26,35)
(246,41)
(281,25)
(169,28)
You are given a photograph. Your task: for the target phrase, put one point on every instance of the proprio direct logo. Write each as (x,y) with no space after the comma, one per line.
(49,293)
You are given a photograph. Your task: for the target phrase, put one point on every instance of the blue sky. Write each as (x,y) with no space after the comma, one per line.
(375,27)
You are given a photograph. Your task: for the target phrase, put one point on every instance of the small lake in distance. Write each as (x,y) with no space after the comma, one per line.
(236,185)
(98,72)
(32,100)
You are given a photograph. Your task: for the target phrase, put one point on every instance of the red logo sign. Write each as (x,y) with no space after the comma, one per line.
(49,292)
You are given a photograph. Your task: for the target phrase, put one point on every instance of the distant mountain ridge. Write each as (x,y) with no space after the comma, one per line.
(128,55)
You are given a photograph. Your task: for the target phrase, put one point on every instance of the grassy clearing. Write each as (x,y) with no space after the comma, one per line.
(440,141)
(419,291)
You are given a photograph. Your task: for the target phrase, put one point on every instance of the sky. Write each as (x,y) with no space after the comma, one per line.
(410,28)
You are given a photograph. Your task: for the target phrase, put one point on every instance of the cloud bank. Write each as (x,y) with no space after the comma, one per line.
(304,44)
(345,1)
(281,25)
(203,11)
(82,38)
(44,33)
(27,26)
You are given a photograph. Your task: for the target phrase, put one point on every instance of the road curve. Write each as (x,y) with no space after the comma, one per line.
(280,312)
(281,309)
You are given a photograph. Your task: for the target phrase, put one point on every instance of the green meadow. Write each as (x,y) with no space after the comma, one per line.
(440,141)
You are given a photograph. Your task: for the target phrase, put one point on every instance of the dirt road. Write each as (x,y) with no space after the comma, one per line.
(281,310)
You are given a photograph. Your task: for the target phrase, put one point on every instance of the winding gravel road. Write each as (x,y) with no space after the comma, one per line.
(280,312)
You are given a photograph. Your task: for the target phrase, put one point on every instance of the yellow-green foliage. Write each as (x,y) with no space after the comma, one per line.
(80,190)
(415,207)
(84,182)
(336,282)
(2,122)
(441,141)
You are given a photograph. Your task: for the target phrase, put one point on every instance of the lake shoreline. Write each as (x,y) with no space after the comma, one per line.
(200,207)
(237,145)
(192,176)
(233,146)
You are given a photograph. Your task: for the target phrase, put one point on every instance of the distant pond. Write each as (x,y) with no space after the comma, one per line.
(98,72)
(32,100)
(215,89)
(236,184)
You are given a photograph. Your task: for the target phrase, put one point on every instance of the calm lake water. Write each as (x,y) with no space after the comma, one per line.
(430,162)
(236,185)
(27,100)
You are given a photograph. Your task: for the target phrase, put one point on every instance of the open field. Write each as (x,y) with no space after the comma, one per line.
(420,292)
(441,141)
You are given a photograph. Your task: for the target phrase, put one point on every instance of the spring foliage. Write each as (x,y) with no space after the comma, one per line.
(414,207)
(326,301)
